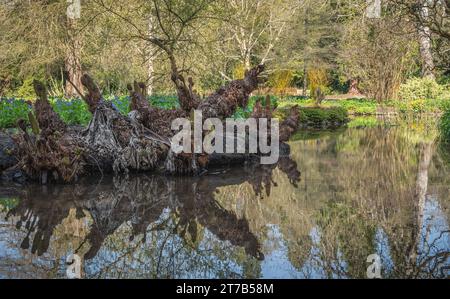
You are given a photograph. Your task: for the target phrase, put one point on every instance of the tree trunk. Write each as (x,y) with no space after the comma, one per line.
(247,63)
(305,79)
(151,59)
(305,60)
(150,72)
(73,67)
(425,47)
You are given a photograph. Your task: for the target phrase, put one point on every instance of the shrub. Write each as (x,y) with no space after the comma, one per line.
(418,106)
(281,80)
(318,83)
(422,105)
(26,90)
(239,71)
(421,89)
(314,117)
(445,126)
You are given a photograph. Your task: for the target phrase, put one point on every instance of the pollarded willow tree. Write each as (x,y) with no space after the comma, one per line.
(141,141)
(116,143)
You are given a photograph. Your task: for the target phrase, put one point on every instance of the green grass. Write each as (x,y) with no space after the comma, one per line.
(363,122)
(355,106)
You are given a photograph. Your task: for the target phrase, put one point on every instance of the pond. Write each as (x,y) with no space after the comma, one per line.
(342,200)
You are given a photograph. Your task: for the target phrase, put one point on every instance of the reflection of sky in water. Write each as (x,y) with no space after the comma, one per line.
(276,264)
(11,254)
(383,251)
(434,242)
(165,253)
(435,235)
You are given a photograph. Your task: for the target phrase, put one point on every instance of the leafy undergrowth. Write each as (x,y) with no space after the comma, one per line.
(445,126)
(246,112)
(11,110)
(422,105)
(72,111)
(7,204)
(75,111)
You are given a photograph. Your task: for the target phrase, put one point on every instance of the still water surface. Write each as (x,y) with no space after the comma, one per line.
(339,198)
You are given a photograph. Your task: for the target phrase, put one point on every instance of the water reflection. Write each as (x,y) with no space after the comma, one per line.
(380,190)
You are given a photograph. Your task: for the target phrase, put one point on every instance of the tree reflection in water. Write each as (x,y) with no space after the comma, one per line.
(163,207)
(380,190)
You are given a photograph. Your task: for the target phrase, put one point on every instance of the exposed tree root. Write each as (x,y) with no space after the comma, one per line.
(126,144)
(53,153)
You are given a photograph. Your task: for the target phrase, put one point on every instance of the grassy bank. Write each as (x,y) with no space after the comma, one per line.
(75,112)
(367,107)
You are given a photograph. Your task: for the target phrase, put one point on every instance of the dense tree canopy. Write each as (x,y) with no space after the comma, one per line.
(215,41)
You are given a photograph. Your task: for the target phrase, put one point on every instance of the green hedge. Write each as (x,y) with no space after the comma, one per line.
(320,118)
